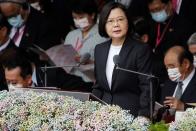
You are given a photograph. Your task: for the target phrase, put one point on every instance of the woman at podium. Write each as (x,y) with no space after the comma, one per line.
(128,90)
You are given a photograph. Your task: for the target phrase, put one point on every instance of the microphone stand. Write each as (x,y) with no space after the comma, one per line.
(83,59)
(45,68)
(53,67)
(151,98)
(149,77)
(45,75)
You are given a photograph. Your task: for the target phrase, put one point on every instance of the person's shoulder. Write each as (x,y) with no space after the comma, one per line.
(103,44)
(95,33)
(74,33)
(137,43)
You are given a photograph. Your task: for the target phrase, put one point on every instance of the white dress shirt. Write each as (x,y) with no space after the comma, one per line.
(179,3)
(186,82)
(114,50)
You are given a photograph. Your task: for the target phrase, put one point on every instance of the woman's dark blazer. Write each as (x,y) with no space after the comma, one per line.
(128,90)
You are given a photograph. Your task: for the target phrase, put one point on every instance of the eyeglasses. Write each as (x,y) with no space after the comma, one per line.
(118,20)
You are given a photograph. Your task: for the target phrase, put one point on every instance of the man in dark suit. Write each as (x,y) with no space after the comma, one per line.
(179,64)
(21,71)
(29,26)
(168,29)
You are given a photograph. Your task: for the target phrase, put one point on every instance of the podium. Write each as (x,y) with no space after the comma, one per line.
(82,96)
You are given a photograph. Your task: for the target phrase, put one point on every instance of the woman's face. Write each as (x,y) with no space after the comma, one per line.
(117,24)
(83,21)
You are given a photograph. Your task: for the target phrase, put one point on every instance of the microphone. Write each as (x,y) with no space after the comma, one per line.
(116,60)
(83,59)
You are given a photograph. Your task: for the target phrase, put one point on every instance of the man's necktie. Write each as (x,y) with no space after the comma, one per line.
(16,35)
(179,90)
(177,95)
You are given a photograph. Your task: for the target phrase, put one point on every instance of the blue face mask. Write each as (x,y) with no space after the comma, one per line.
(16,21)
(160,16)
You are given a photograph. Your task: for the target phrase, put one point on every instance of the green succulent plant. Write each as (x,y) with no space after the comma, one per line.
(159,126)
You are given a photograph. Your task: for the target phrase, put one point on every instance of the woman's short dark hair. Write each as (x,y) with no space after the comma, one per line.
(105,13)
(85,6)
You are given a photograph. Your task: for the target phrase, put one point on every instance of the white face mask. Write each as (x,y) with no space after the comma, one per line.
(13,87)
(194,60)
(174,74)
(81,23)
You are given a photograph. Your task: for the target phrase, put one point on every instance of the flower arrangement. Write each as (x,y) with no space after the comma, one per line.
(186,123)
(49,111)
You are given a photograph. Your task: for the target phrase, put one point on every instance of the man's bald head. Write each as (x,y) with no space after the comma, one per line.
(179,53)
(179,63)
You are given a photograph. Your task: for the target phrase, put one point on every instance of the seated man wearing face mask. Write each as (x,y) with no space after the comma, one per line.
(168,29)
(29,26)
(192,46)
(18,73)
(180,89)
(21,71)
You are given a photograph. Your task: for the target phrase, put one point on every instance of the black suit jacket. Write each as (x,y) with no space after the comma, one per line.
(189,95)
(186,11)
(60,79)
(40,31)
(3,84)
(128,90)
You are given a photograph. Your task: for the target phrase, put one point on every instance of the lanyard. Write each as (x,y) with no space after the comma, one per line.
(78,45)
(160,35)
